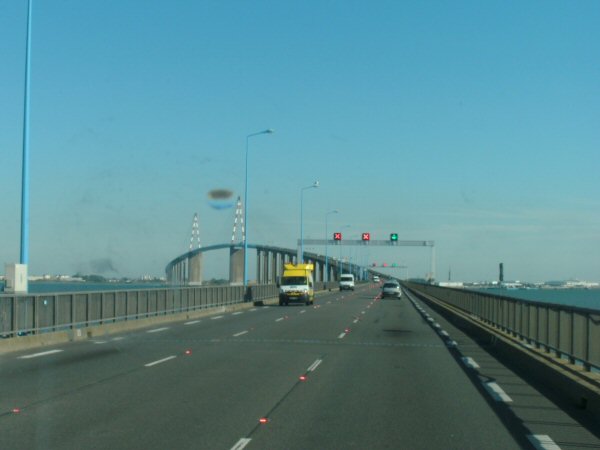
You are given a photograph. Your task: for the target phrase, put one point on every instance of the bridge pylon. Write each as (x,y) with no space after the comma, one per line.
(236,252)
(195,262)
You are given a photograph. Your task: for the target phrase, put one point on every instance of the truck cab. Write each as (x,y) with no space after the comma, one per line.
(296,284)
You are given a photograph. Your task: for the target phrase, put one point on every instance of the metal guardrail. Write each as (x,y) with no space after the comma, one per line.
(43,313)
(570,333)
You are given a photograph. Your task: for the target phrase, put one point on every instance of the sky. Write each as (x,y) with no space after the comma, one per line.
(472,124)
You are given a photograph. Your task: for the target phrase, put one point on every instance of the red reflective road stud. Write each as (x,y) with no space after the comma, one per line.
(188,352)
(263,420)
(303,378)
(16,410)
(347,330)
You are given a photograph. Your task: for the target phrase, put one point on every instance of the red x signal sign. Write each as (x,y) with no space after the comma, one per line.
(337,236)
(366,236)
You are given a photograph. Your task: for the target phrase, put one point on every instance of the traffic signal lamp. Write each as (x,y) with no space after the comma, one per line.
(366,236)
(394,237)
(337,236)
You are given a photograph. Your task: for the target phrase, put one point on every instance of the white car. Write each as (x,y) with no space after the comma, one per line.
(347,282)
(391,289)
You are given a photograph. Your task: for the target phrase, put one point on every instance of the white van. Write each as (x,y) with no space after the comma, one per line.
(347,282)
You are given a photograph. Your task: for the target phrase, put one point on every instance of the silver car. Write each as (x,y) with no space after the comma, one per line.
(391,289)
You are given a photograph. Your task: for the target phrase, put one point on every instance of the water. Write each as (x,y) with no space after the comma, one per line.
(583,298)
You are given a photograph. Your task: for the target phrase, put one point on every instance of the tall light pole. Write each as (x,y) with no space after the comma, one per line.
(314,185)
(267,131)
(341,264)
(335,211)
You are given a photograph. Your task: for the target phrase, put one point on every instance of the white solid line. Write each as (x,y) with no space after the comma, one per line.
(279,320)
(240,333)
(216,317)
(314,365)
(153,363)
(470,362)
(241,444)
(156,330)
(497,392)
(35,355)
(542,442)
(192,322)
(237,313)
(341,336)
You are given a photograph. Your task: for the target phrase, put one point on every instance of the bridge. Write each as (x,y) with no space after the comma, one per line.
(187,268)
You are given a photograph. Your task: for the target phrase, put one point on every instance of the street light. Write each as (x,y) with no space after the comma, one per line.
(335,211)
(340,262)
(267,131)
(314,185)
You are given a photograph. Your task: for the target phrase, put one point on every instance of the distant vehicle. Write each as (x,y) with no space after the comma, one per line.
(375,278)
(297,284)
(347,282)
(391,289)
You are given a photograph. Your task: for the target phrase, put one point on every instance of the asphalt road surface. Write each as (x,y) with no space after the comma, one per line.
(352,371)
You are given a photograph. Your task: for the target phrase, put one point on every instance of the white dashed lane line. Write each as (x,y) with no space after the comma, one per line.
(341,336)
(542,442)
(240,333)
(157,330)
(153,363)
(192,322)
(279,320)
(497,392)
(470,362)
(237,313)
(216,317)
(36,355)
(314,365)
(241,444)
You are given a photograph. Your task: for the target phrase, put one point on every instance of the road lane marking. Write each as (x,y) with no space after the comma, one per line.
(355,321)
(542,442)
(35,355)
(452,344)
(240,333)
(314,365)
(253,309)
(303,311)
(118,338)
(192,322)
(444,333)
(153,363)
(157,330)
(100,342)
(241,444)
(497,392)
(279,320)
(216,317)
(470,362)
(341,336)
(237,313)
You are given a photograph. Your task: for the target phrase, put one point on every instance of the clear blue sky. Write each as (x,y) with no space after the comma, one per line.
(474,124)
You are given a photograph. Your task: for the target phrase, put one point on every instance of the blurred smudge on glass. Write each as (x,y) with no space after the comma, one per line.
(221,198)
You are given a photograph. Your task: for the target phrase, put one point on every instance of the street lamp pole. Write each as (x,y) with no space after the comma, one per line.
(314,185)
(267,131)
(335,211)
(25,168)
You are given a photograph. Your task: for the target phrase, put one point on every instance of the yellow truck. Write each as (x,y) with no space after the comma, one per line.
(297,285)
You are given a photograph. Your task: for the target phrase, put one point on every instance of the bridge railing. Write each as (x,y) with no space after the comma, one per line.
(570,333)
(43,313)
